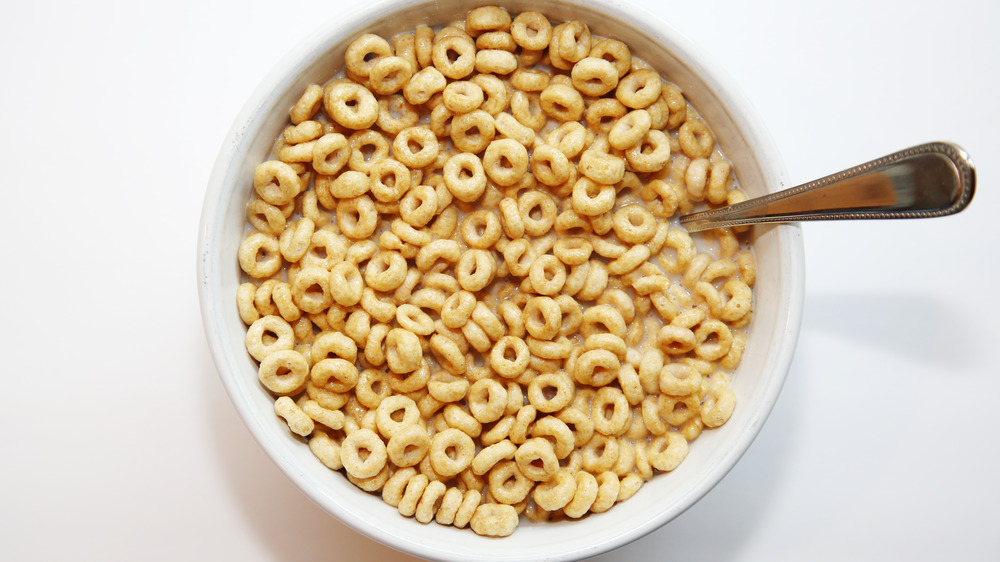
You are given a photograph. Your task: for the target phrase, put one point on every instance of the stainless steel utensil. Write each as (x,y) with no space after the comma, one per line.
(929,180)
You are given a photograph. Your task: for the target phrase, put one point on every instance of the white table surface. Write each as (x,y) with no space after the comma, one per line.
(119,442)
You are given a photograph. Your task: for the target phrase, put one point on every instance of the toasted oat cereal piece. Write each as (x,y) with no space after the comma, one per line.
(494,520)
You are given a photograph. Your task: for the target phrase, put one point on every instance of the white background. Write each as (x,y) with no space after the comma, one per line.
(119,442)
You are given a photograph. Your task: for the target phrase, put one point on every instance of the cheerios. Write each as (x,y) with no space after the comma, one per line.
(462,285)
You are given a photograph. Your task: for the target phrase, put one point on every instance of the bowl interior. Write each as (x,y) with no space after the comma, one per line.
(757,382)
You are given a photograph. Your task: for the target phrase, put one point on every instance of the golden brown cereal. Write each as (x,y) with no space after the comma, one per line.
(297,420)
(391,408)
(497,93)
(351,105)
(333,419)
(430,500)
(495,61)
(367,148)
(678,410)
(451,452)
(610,411)
(311,291)
(650,154)
(462,284)
(470,501)
(573,250)
(450,503)
(551,392)
(475,269)
(363,453)
(601,167)
(550,166)
(487,400)
(307,105)
(396,114)
(267,335)
(505,161)
(336,374)
(522,424)
(718,405)
(403,351)
(547,274)
(531,31)
(695,139)
(529,80)
(372,387)
(325,449)
(245,294)
(473,131)
(408,446)
(667,451)
(506,483)
(462,96)
(561,102)
(570,42)
(364,52)
(570,138)
(423,42)
(594,76)
(481,229)
(591,198)
(614,52)
(557,433)
(596,367)
(454,55)
(536,459)
(494,520)
(630,129)
(413,490)
(284,372)
(423,85)
(404,45)
(639,88)
(508,126)
(330,153)
(557,492)
(537,212)
(526,107)
(302,132)
(501,40)
(260,255)
(487,18)
(265,217)
(603,113)
(584,496)
(465,177)
(493,454)
(677,379)
(276,182)
(389,74)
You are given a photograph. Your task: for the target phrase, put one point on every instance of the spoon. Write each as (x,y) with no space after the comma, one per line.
(929,180)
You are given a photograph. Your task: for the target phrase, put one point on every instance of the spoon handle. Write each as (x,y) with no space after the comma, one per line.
(928,180)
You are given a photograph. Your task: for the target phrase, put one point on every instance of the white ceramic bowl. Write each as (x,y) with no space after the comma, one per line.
(758,381)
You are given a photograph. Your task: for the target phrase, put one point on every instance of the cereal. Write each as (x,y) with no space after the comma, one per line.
(451,452)
(494,520)
(351,105)
(363,453)
(297,420)
(462,286)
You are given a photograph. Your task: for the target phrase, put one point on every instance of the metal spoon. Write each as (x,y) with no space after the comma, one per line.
(928,180)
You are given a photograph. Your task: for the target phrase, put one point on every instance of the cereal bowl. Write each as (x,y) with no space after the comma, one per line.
(771,337)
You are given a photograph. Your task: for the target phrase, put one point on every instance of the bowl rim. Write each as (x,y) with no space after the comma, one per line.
(240,134)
